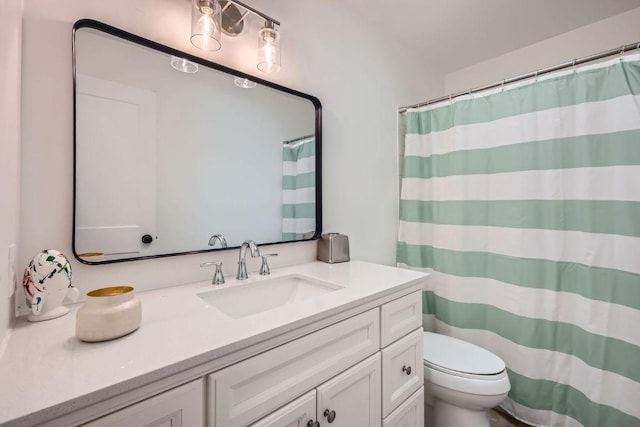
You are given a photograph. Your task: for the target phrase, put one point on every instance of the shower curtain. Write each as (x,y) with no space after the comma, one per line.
(524,205)
(298,188)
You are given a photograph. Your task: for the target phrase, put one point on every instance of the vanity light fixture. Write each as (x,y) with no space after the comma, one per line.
(210,18)
(183,65)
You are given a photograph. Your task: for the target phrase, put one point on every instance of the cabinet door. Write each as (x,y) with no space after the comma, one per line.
(353,397)
(409,414)
(296,414)
(180,407)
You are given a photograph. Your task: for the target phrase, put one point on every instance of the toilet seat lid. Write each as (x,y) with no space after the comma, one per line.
(456,355)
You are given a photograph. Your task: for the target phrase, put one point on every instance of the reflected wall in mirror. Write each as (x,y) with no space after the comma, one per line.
(171,149)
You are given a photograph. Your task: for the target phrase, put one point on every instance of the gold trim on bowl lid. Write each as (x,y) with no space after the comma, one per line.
(90,254)
(110,292)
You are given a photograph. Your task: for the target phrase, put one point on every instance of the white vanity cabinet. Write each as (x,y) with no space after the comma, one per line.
(356,380)
(245,392)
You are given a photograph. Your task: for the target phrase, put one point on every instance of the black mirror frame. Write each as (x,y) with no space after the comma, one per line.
(96,25)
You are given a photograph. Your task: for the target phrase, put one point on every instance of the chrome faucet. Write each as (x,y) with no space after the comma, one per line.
(220,238)
(242,263)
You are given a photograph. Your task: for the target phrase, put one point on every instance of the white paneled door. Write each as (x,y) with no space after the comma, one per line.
(116,166)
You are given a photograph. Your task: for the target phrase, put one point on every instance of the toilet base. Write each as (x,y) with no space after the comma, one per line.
(447,415)
(449,408)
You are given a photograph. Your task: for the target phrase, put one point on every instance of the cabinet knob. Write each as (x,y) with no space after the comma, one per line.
(147,238)
(331,415)
(312,423)
(407,369)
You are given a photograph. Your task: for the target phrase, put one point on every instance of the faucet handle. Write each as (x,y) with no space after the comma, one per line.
(264,269)
(218,277)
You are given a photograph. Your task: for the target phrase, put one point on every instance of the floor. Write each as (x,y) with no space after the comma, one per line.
(500,418)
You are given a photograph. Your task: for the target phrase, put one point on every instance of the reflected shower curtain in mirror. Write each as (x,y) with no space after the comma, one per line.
(298,188)
(524,205)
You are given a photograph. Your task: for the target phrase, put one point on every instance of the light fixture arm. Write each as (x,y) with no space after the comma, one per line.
(226,6)
(254,11)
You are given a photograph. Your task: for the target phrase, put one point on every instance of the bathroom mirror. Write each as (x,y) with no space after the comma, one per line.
(171,149)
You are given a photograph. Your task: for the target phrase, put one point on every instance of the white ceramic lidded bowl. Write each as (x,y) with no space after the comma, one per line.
(108,313)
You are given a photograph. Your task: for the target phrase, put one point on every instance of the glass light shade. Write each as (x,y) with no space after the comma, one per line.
(205,24)
(269,49)
(183,65)
(244,83)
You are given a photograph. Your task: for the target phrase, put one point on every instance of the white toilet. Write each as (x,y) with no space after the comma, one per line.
(461,382)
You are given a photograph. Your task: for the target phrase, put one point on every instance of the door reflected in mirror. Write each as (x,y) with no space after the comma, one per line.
(169,152)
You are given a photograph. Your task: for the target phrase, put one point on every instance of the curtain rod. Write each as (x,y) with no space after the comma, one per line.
(291,141)
(620,50)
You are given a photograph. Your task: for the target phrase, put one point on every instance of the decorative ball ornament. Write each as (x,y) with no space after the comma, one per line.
(46,283)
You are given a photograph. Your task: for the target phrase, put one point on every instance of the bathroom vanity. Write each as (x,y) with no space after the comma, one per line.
(311,345)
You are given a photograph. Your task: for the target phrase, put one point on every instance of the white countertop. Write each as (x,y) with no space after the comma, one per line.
(45,371)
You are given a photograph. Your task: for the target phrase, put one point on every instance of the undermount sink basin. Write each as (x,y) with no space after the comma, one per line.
(246,299)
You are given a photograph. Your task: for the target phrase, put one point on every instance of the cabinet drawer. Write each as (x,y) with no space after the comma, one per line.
(399,317)
(402,371)
(181,406)
(409,414)
(296,414)
(244,392)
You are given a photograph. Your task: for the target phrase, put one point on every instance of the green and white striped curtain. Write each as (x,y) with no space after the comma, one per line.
(524,205)
(298,188)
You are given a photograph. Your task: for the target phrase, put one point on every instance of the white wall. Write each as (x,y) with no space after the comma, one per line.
(359,75)
(10,41)
(597,37)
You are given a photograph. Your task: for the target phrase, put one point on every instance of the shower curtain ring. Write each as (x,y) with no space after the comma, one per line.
(573,65)
(503,81)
